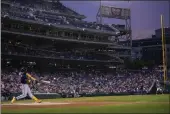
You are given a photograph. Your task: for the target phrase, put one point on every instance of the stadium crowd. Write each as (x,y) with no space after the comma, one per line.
(76,54)
(82,82)
(51,15)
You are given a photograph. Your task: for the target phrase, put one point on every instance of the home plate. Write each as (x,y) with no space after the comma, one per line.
(43,103)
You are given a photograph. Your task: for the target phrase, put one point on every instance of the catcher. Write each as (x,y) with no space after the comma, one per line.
(25,80)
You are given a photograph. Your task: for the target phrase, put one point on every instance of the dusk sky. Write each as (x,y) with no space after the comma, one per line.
(145,15)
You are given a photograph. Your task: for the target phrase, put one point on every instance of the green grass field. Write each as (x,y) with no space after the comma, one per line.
(121,104)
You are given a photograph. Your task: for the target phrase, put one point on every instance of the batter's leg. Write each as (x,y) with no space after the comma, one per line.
(24,92)
(32,96)
(23,95)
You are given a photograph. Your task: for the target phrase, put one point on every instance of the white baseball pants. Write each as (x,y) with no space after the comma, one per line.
(25,90)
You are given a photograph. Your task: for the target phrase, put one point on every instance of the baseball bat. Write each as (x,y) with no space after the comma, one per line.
(47,82)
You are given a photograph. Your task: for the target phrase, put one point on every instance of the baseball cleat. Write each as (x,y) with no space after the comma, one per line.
(38,101)
(13,100)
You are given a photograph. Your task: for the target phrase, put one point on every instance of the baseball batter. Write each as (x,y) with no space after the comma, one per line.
(25,80)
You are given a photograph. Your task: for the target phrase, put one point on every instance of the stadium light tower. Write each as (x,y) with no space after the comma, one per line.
(117,13)
(101,21)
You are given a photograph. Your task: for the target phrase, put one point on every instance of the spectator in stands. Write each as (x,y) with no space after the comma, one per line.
(72,83)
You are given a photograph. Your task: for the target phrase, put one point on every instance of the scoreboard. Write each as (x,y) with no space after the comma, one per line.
(113,12)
